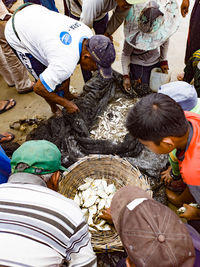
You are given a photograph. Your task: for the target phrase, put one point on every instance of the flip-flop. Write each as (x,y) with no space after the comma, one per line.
(4,109)
(7,137)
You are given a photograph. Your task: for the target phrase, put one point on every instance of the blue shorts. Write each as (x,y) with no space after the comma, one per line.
(34,66)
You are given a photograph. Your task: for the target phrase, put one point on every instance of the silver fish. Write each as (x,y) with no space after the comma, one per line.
(113,117)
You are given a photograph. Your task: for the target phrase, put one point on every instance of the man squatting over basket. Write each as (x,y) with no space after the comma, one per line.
(162,128)
(151,233)
(40,227)
(51,46)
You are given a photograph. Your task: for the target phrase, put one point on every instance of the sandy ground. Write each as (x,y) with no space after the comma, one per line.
(31,105)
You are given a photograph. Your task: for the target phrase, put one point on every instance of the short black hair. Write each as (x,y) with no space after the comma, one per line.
(156,116)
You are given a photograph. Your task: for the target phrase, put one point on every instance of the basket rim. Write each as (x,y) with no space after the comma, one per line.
(96,157)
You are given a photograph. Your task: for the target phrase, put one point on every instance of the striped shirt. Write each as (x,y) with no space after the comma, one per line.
(45,221)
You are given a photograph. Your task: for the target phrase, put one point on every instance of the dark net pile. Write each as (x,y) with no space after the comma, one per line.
(70,132)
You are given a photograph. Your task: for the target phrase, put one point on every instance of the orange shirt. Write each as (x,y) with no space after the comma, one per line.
(189,162)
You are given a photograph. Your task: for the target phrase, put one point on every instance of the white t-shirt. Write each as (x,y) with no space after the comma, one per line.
(40,227)
(52,38)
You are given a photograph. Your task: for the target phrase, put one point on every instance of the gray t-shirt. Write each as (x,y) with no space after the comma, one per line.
(141,57)
(95,10)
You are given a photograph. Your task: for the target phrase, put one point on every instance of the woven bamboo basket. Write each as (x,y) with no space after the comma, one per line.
(114,170)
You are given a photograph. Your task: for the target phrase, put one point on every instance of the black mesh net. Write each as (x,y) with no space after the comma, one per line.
(71,132)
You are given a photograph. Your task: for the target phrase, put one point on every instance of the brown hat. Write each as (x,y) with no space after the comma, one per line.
(152,234)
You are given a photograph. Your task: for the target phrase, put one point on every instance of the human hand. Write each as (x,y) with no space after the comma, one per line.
(127,83)
(166,177)
(164,68)
(109,36)
(184,7)
(71,107)
(55,109)
(58,113)
(106,215)
(191,213)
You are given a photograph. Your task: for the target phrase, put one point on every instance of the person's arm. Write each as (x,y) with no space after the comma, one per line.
(173,172)
(125,61)
(106,215)
(174,164)
(197,79)
(52,98)
(191,213)
(116,20)
(163,56)
(184,7)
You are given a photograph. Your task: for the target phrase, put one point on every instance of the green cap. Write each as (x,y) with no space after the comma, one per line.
(196,109)
(41,156)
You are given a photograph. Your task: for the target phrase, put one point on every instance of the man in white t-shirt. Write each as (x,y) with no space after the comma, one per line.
(50,45)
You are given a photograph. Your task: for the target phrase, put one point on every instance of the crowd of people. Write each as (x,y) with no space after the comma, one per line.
(39,226)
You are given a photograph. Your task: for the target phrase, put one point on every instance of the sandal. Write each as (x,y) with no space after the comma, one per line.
(7,107)
(6,137)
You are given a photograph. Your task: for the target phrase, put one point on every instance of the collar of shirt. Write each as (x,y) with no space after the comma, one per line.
(81,45)
(180,154)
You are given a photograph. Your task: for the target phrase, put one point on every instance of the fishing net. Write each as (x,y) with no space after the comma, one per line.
(72,132)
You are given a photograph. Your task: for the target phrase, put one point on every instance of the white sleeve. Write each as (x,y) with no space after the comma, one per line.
(164,50)
(54,75)
(126,58)
(91,9)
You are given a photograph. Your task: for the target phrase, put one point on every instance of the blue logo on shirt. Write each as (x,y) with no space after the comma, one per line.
(65,38)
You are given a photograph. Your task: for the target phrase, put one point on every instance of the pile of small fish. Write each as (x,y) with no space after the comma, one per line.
(111,123)
(183,209)
(92,197)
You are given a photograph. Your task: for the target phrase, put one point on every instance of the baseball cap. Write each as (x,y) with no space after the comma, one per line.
(41,156)
(151,233)
(183,93)
(103,53)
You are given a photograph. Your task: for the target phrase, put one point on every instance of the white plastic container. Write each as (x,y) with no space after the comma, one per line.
(157,78)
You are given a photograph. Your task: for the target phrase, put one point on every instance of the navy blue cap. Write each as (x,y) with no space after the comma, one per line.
(103,53)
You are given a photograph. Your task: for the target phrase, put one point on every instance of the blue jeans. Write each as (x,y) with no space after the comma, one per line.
(34,66)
